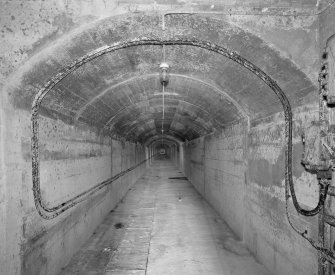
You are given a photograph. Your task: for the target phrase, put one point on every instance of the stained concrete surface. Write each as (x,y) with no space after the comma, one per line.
(282,37)
(163,226)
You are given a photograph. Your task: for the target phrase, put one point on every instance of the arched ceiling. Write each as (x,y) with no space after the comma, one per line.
(164,144)
(120,92)
(162,138)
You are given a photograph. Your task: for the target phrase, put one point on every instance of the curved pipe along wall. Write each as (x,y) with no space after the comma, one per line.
(49,213)
(241,166)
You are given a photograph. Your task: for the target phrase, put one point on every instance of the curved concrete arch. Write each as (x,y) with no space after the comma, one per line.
(52,212)
(154,133)
(148,100)
(165,136)
(125,82)
(164,141)
(133,125)
(144,136)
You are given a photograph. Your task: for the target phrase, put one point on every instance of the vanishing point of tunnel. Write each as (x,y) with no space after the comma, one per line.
(150,137)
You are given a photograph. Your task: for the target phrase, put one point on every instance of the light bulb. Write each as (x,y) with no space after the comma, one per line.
(164,73)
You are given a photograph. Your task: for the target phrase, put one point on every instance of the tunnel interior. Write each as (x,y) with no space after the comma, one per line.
(97,105)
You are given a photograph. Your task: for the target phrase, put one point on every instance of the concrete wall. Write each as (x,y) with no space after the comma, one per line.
(73,159)
(327,40)
(267,231)
(172,152)
(3,186)
(175,155)
(216,167)
(30,27)
(240,172)
(327,24)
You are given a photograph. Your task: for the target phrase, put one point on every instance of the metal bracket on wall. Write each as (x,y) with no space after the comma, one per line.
(327,143)
(319,157)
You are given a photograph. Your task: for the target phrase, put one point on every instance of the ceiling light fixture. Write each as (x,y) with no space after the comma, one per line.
(164,79)
(164,73)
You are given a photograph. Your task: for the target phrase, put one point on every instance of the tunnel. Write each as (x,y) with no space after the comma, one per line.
(167,137)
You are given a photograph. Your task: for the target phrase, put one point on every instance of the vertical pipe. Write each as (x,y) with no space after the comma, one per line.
(204,167)
(331,240)
(322,264)
(111,146)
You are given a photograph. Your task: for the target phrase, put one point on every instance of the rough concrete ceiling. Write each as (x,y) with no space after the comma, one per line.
(120,92)
(165,144)
(158,139)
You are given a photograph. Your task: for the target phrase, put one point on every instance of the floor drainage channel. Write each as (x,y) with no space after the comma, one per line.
(178,178)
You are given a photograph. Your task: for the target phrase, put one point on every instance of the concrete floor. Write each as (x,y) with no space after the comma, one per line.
(163,226)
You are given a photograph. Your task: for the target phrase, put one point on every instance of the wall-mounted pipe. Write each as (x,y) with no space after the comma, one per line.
(289,187)
(264,12)
(49,213)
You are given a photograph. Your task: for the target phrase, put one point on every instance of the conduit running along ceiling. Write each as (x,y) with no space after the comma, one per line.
(120,93)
